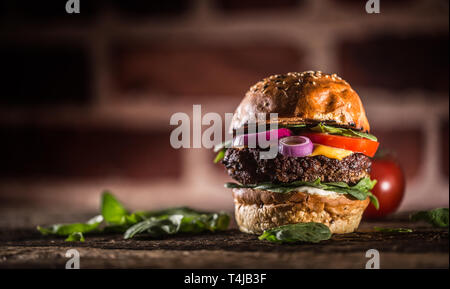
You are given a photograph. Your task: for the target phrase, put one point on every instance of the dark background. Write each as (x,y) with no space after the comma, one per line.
(86,98)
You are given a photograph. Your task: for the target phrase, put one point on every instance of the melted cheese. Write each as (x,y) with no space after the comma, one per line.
(330,152)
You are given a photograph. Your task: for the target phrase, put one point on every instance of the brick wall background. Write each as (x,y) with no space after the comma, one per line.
(86,98)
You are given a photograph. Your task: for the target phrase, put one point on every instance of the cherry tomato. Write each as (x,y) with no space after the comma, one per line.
(356,144)
(389,189)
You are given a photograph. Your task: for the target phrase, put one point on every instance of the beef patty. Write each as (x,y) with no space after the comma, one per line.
(245,166)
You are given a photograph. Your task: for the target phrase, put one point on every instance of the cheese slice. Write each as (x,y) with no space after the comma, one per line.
(330,152)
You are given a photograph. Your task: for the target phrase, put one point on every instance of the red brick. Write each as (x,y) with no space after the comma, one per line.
(202,71)
(406,145)
(400,63)
(444,147)
(255,5)
(30,152)
(44,75)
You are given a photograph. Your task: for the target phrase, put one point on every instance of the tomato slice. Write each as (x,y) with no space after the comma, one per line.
(361,145)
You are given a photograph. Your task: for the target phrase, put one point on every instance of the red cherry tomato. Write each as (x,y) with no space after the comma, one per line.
(356,144)
(389,189)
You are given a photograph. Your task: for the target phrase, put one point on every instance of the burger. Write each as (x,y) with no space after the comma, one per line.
(320,171)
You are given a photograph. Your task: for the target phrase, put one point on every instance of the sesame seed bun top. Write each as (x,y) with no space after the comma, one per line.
(306,97)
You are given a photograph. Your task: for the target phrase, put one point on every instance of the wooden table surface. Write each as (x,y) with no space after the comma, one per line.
(21,246)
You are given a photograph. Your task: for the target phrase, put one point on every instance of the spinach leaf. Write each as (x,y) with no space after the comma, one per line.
(68,229)
(220,155)
(359,191)
(75,237)
(393,230)
(220,150)
(437,217)
(293,125)
(222,146)
(373,200)
(231,185)
(185,211)
(342,131)
(363,135)
(172,221)
(112,210)
(156,227)
(128,221)
(303,232)
(155,223)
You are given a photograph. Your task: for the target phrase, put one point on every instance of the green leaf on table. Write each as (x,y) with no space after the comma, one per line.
(156,227)
(301,232)
(154,223)
(174,220)
(75,237)
(393,230)
(68,229)
(437,217)
(112,210)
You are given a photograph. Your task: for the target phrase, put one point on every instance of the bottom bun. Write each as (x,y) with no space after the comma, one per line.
(259,210)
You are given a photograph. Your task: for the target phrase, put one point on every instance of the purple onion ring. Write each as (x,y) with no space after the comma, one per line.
(275,134)
(295,146)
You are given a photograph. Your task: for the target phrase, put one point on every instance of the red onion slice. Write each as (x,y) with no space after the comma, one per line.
(295,146)
(275,134)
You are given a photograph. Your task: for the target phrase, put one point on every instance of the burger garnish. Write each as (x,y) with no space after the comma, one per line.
(321,127)
(360,191)
(348,139)
(321,171)
(253,138)
(295,146)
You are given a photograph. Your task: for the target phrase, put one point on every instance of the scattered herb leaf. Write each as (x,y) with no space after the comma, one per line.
(67,229)
(437,217)
(301,232)
(115,218)
(393,230)
(112,210)
(185,220)
(75,237)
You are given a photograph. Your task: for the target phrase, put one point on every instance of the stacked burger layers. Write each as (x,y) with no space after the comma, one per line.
(320,172)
